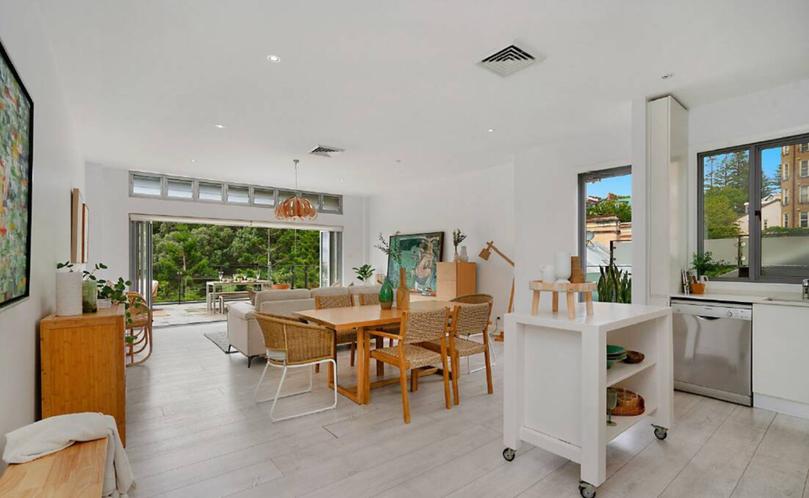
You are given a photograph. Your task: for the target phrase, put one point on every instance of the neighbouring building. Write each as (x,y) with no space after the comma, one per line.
(795,185)
(771,214)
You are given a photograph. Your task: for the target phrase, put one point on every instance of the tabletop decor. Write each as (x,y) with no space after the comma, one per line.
(16,170)
(68,290)
(457,237)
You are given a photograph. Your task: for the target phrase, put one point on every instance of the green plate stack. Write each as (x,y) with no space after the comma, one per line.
(615,353)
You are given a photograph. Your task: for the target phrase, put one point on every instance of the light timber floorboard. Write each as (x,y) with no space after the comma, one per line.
(194,430)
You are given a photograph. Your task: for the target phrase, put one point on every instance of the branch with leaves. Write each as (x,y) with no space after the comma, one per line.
(392,249)
(457,237)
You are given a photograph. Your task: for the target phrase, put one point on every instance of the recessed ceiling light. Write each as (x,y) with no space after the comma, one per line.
(491,130)
(193,160)
(667,76)
(273,58)
(220,126)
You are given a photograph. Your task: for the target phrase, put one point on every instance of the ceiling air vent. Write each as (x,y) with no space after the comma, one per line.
(508,61)
(325,150)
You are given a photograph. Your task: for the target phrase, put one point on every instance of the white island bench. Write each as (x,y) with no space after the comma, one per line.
(556,381)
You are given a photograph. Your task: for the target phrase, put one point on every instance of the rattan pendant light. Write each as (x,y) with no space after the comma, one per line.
(295,207)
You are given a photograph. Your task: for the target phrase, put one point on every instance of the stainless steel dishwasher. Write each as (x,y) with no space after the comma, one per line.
(712,349)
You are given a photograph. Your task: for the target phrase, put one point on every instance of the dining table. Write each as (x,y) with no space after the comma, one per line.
(362,319)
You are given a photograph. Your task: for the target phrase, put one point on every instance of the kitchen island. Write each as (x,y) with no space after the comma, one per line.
(556,380)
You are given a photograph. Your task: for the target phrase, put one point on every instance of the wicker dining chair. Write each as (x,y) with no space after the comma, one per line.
(477,299)
(340,301)
(138,329)
(417,327)
(368,299)
(293,344)
(467,320)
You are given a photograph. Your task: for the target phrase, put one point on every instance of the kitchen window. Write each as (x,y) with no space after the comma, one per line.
(744,211)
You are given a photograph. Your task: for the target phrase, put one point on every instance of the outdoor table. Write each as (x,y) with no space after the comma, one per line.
(211,287)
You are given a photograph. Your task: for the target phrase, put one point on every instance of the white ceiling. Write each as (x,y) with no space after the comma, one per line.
(147,80)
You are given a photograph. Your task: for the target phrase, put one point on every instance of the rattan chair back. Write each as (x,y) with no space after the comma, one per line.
(473,299)
(424,326)
(366,299)
(339,301)
(469,319)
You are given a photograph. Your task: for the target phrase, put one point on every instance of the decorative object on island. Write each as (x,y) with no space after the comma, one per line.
(418,254)
(457,237)
(455,279)
(68,290)
(364,273)
(576,272)
(386,295)
(82,365)
(485,254)
(463,255)
(16,172)
(295,207)
(614,285)
(547,273)
(630,404)
(562,265)
(587,288)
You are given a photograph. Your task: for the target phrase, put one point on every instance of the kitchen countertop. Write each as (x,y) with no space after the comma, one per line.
(778,298)
(606,316)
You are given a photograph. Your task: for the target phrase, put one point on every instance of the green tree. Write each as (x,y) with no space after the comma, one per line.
(720,215)
(611,206)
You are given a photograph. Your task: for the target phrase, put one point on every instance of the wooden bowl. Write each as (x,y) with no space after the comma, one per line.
(630,404)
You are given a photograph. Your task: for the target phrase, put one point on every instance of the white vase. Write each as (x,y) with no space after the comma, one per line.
(562,264)
(463,256)
(548,273)
(68,293)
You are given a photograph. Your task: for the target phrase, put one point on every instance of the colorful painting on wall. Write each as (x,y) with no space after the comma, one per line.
(420,254)
(16,150)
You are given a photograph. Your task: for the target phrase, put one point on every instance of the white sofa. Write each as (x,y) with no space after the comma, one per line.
(244,333)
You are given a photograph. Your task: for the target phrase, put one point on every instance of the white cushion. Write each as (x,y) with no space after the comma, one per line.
(282,294)
(287,307)
(241,309)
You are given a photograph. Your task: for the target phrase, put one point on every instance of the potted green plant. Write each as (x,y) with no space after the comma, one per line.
(704,265)
(89,289)
(68,290)
(116,292)
(614,285)
(364,273)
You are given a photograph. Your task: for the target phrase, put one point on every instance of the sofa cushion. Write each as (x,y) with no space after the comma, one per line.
(330,291)
(287,307)
(364,289)
(282,294)
(242,309)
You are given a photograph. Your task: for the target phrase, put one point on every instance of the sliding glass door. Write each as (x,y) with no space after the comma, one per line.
(140,261)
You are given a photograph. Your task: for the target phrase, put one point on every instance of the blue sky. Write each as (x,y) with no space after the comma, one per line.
(770,160)
(619,185)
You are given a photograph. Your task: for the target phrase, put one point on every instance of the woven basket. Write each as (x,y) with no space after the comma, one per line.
(630,404)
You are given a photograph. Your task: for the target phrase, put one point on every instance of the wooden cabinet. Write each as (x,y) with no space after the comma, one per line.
(455,279)
(82,365)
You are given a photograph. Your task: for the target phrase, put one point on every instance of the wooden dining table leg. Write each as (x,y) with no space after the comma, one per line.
(364,359)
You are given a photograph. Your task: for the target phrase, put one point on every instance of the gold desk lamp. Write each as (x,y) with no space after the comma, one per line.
(485,253)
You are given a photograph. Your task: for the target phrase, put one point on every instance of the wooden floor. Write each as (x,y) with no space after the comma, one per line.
(194,431)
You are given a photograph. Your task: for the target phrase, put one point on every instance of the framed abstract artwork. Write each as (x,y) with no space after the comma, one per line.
(16,167)
(421,253)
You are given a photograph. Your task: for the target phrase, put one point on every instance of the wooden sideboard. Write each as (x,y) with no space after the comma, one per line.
(82,365)
(455,279)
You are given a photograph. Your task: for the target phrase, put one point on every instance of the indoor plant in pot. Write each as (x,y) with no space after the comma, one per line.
(68,290)
(457,237)
(393,252)
(364,273)
(89,289)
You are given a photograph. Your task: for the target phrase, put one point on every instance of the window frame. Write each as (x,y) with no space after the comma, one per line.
(801,164)
(754,201)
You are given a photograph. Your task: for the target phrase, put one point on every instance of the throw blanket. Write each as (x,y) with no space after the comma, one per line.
(57,433)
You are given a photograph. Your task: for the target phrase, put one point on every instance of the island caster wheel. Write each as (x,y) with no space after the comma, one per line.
(509,454)
(661,433)
(587,490)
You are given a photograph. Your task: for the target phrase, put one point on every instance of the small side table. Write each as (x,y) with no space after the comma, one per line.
(586,288)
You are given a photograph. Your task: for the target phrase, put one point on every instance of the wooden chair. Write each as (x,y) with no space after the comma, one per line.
(293,344)
(138,329)
(467,320)
(339,301)
(367,299)
(477,299)
(417,327)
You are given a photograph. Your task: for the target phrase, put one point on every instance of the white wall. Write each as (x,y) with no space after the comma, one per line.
(546,199)
(480,203)
(57,168)
(770,114)
(107,195)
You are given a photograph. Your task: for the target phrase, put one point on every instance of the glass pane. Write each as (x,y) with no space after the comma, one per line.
(784,212)
(179,189)
(608,226)
(146,185)
(725,183)
(238,194)
(331,203)
(210,191)
(313,198)
(263,196)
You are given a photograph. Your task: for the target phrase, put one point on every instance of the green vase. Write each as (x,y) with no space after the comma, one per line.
(89,296)
(386,295)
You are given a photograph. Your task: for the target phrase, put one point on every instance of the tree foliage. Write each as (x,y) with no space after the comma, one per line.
(611,206)
(186,255)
